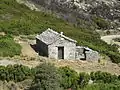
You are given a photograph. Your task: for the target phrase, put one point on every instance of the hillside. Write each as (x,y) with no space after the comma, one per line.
(91,11)
(16,19)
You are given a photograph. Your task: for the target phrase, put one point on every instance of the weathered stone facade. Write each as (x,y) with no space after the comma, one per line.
(50,41)
(58,46)
(69,49)
(85,53)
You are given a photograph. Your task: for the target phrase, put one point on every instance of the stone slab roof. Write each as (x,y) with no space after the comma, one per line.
(49,36)
(86,48)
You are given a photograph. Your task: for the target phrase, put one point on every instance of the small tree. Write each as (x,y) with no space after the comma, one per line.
(83,79)
(69,77)
(46,78)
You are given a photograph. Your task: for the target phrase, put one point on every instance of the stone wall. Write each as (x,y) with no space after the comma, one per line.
(42,48)
(92,55)
(80,53)
(69,49)
(84,53)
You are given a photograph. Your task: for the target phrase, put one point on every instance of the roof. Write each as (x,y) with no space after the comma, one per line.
(49,36)
(86,48)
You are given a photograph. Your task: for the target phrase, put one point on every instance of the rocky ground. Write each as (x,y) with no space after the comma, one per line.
(72,10)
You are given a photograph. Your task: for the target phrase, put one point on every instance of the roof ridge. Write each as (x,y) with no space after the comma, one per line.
(51,30)
(61,35)
(56,35)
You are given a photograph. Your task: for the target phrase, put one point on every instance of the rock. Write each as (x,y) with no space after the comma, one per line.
(72,10)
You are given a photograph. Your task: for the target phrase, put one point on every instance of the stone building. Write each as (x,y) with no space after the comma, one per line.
(56,45)
(85,53)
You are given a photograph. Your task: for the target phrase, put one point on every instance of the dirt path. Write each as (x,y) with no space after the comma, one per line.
(109,39)
(27,50)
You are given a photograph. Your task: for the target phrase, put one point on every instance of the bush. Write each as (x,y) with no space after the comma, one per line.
(69,78)
(83,79)
(15,73)
(102,86)
(102,24)
(8,47)
(103,77)
(46,78)
(115,56)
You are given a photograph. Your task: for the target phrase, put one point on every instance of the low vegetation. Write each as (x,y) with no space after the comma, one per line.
(17,19)
(48,77)
(8,47)
(101,23)
(15,73)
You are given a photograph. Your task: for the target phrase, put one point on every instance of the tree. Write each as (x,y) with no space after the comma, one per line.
(46,78)
(83,79)
(69,77)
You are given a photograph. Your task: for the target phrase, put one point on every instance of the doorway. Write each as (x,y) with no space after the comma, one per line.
(60,52)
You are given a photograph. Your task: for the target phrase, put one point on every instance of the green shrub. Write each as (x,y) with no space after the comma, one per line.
(83,79)
(102,86)
(69,78)
(102,24)
(8,47)
(46,78)
(103,77)
(115,56)
(15,73)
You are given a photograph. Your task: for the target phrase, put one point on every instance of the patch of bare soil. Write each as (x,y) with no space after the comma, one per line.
(27,50)
(77,65)
(109,39)
(85,66)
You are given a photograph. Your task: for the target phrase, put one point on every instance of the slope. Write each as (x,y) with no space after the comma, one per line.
(16,19)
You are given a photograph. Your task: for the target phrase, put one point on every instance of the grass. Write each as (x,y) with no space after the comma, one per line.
(17,19)
(8,47)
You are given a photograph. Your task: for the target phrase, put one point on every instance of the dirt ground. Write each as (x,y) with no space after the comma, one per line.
(85,66)
(77,65)
(27,50)
(109,38)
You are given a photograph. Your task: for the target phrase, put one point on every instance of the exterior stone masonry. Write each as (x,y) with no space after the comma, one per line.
(58,46)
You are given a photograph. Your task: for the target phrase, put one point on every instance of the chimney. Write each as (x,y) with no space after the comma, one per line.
(61,33)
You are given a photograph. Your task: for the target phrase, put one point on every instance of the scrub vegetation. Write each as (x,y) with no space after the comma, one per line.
(8,47)
(48,77)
